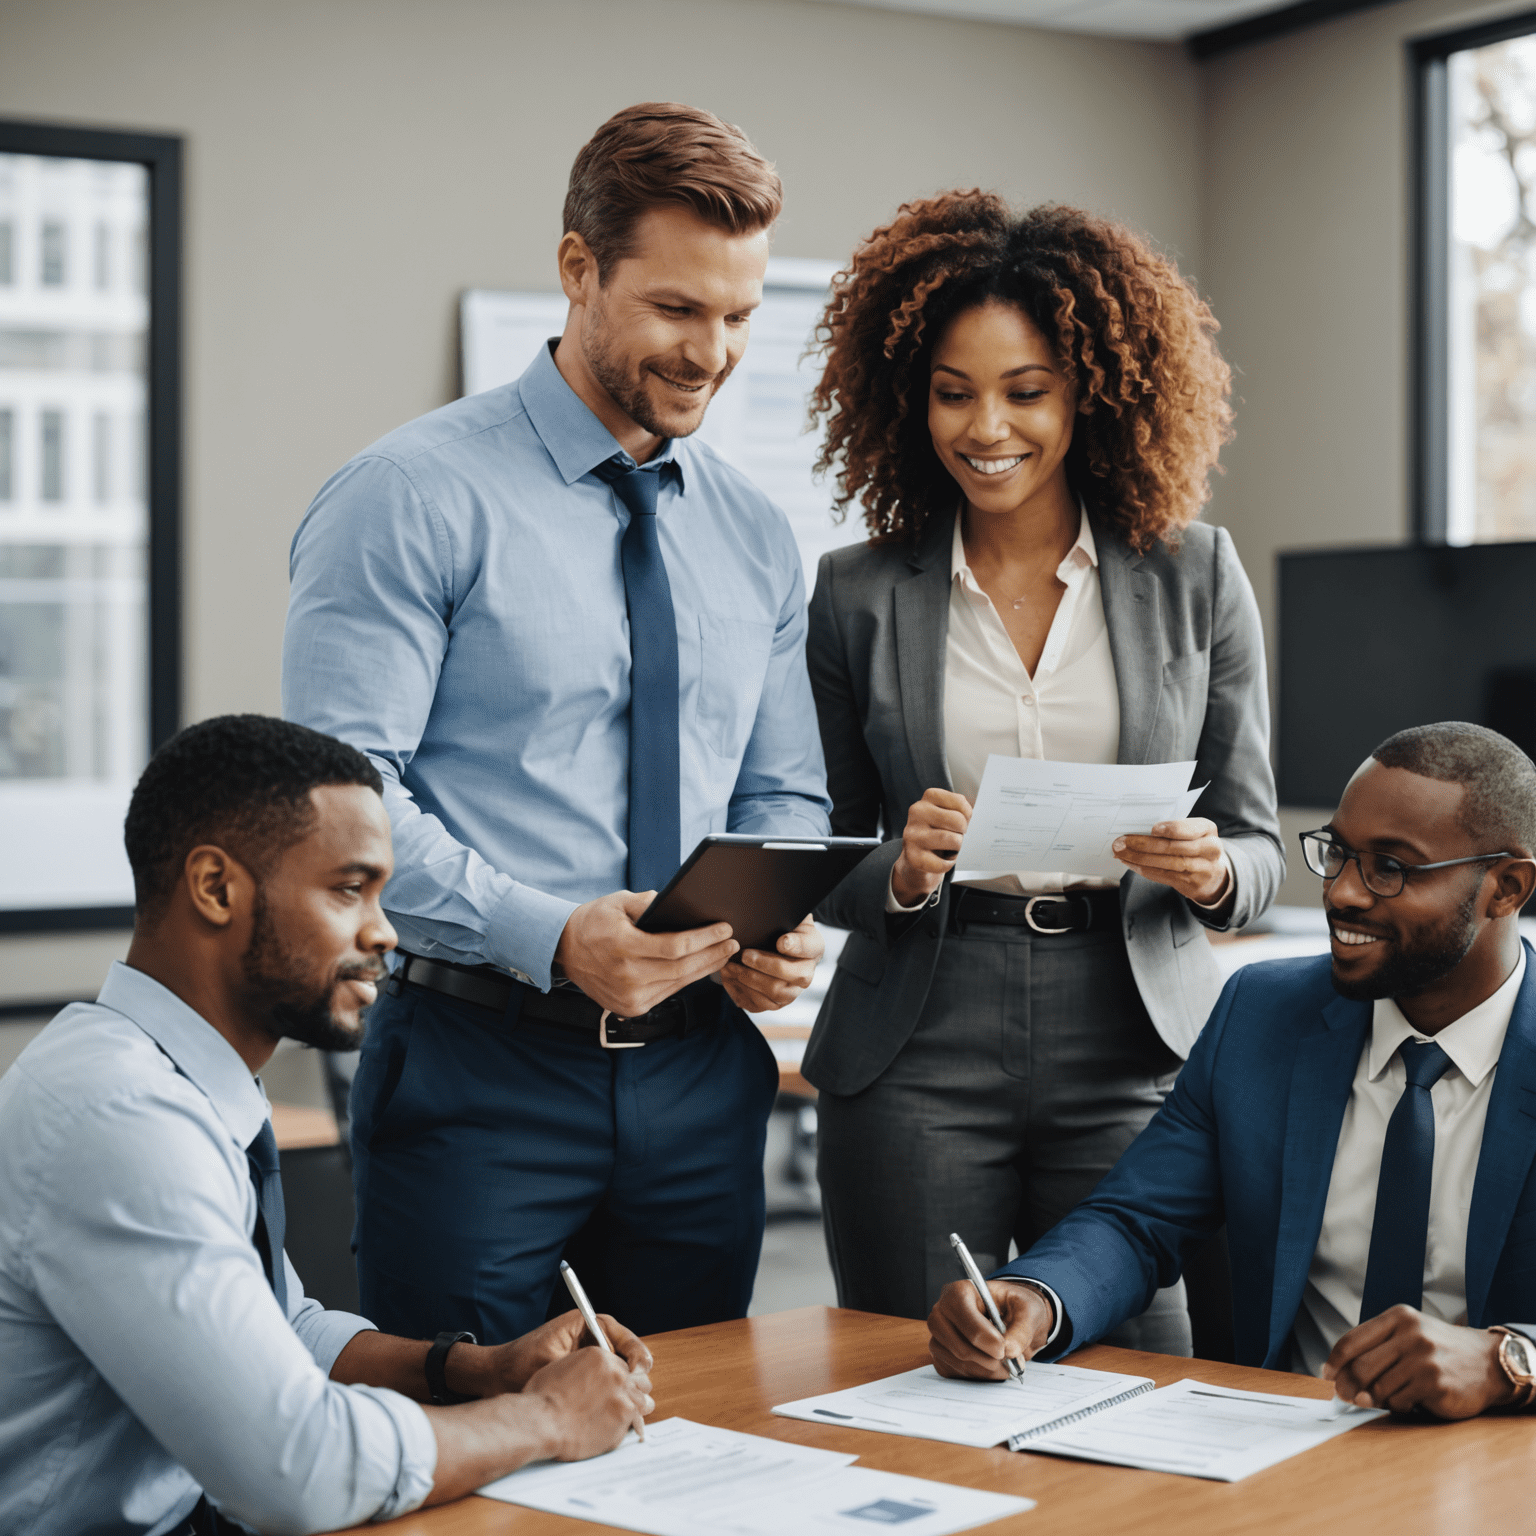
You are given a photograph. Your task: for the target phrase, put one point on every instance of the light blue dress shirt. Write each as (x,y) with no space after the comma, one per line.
(458,613)
(142,1353)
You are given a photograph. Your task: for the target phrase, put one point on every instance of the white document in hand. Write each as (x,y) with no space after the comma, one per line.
(688,1479)
(1034,815)
(1202,1431)
(928,1406)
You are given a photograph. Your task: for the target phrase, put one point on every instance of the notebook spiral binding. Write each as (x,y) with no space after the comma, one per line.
(1020,1441)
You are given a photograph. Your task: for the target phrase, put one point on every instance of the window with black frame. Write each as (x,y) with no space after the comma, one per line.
(1476,301)
(89,464)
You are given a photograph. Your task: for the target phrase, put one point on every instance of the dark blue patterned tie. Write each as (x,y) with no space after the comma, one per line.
(270,1218)
(1395,1270)
(655,817)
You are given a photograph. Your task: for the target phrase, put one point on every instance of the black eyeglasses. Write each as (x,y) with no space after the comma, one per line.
(1379,872)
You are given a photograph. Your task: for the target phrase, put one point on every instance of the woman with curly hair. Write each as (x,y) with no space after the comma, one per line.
(1028,411)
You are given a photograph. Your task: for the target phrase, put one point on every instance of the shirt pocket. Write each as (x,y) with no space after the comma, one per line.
(733,662)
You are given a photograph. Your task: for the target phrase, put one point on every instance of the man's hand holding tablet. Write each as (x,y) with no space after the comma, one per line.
(628,971)
(761,982)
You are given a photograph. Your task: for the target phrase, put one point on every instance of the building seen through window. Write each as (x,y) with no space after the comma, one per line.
(1492,293)
(73,523)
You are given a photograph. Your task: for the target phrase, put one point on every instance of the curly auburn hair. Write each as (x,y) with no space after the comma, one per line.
(1134,338)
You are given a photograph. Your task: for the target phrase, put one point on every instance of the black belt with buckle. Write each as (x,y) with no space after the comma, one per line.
(684,1013)
(1071,912)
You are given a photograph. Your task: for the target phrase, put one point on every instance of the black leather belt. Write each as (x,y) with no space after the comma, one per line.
(684,1013)
(1071,912)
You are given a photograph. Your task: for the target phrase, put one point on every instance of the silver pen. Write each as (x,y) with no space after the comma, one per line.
(1014,1364)
(588,1316)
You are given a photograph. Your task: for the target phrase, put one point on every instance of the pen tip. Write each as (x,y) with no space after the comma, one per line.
(565,1268)
(954,1239)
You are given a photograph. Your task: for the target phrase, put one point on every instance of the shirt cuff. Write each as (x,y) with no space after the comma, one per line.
(1057,1310)
(1227,891)
(894,907)
(417,1447)
(524,932)
(325,1334)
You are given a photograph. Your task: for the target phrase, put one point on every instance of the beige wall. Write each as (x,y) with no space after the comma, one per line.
(1306,183)
(353,164)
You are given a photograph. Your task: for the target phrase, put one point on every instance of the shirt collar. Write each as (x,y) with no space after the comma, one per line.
(576,440)
(1083,554)
(1473,1042)
(201,1054)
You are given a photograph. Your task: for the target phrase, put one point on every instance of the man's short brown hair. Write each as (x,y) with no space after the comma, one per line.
(661,153)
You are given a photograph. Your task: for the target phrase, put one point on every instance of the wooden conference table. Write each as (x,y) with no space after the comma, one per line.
(1406,1478)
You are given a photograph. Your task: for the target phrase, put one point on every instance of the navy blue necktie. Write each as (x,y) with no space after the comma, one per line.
(1395,1270)
(270,1218)
(655,817)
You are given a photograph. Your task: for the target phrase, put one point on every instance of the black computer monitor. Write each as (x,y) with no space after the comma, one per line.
(1375,640)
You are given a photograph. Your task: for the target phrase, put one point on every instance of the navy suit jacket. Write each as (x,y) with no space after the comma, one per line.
(1247,1137)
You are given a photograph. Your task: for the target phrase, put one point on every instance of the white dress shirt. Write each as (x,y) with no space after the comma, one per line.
(1330,1306)
(145,1355)
(1068,712)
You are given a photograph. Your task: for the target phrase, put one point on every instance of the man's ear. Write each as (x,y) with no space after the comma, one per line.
(1514,881)
(578,268)
(218,885)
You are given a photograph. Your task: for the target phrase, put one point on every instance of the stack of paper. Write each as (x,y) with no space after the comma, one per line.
(689,1479)
(928,1406)
(1202,1431)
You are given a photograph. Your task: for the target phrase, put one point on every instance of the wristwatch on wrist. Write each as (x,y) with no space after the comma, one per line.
(437,1362)
(1517,1359)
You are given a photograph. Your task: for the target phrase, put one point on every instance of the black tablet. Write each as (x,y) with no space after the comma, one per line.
(761,886)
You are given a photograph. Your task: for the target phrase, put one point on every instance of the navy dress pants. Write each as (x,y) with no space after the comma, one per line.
(486,1149)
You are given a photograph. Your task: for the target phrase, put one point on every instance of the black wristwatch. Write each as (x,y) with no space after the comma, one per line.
(437,1360)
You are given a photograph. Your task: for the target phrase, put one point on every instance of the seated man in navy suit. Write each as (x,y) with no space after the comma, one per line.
(1365,1125)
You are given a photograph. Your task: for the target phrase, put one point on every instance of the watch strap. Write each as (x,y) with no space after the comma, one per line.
(436,1367)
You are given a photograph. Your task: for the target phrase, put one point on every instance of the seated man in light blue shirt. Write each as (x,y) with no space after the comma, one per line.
(151,1380)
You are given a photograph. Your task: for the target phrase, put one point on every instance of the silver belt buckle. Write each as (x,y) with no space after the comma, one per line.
(614,1045)
(1029,915)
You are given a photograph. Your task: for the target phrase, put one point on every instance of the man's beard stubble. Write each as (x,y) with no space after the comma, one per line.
(628,393)
(297,1010)
(1410,971)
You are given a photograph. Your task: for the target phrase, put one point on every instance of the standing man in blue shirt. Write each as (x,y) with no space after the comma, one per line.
(572,641)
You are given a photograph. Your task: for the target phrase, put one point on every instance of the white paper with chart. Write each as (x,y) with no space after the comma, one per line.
(687,1479)
(1202,1431)
(1032,814)
(928,1406)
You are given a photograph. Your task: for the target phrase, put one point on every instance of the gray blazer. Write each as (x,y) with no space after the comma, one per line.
(1189,668)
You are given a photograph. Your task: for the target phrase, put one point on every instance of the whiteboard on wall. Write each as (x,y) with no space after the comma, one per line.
(757,420)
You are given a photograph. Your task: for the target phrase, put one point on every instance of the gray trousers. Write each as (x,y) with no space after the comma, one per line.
(1032,1068)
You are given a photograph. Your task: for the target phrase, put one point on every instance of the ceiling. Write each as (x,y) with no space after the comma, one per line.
(1168,20)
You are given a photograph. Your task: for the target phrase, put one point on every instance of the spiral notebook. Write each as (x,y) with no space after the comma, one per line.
(928,1406)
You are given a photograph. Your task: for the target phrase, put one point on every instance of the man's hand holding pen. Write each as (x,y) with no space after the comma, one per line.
(963,1342)
(509,1367)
